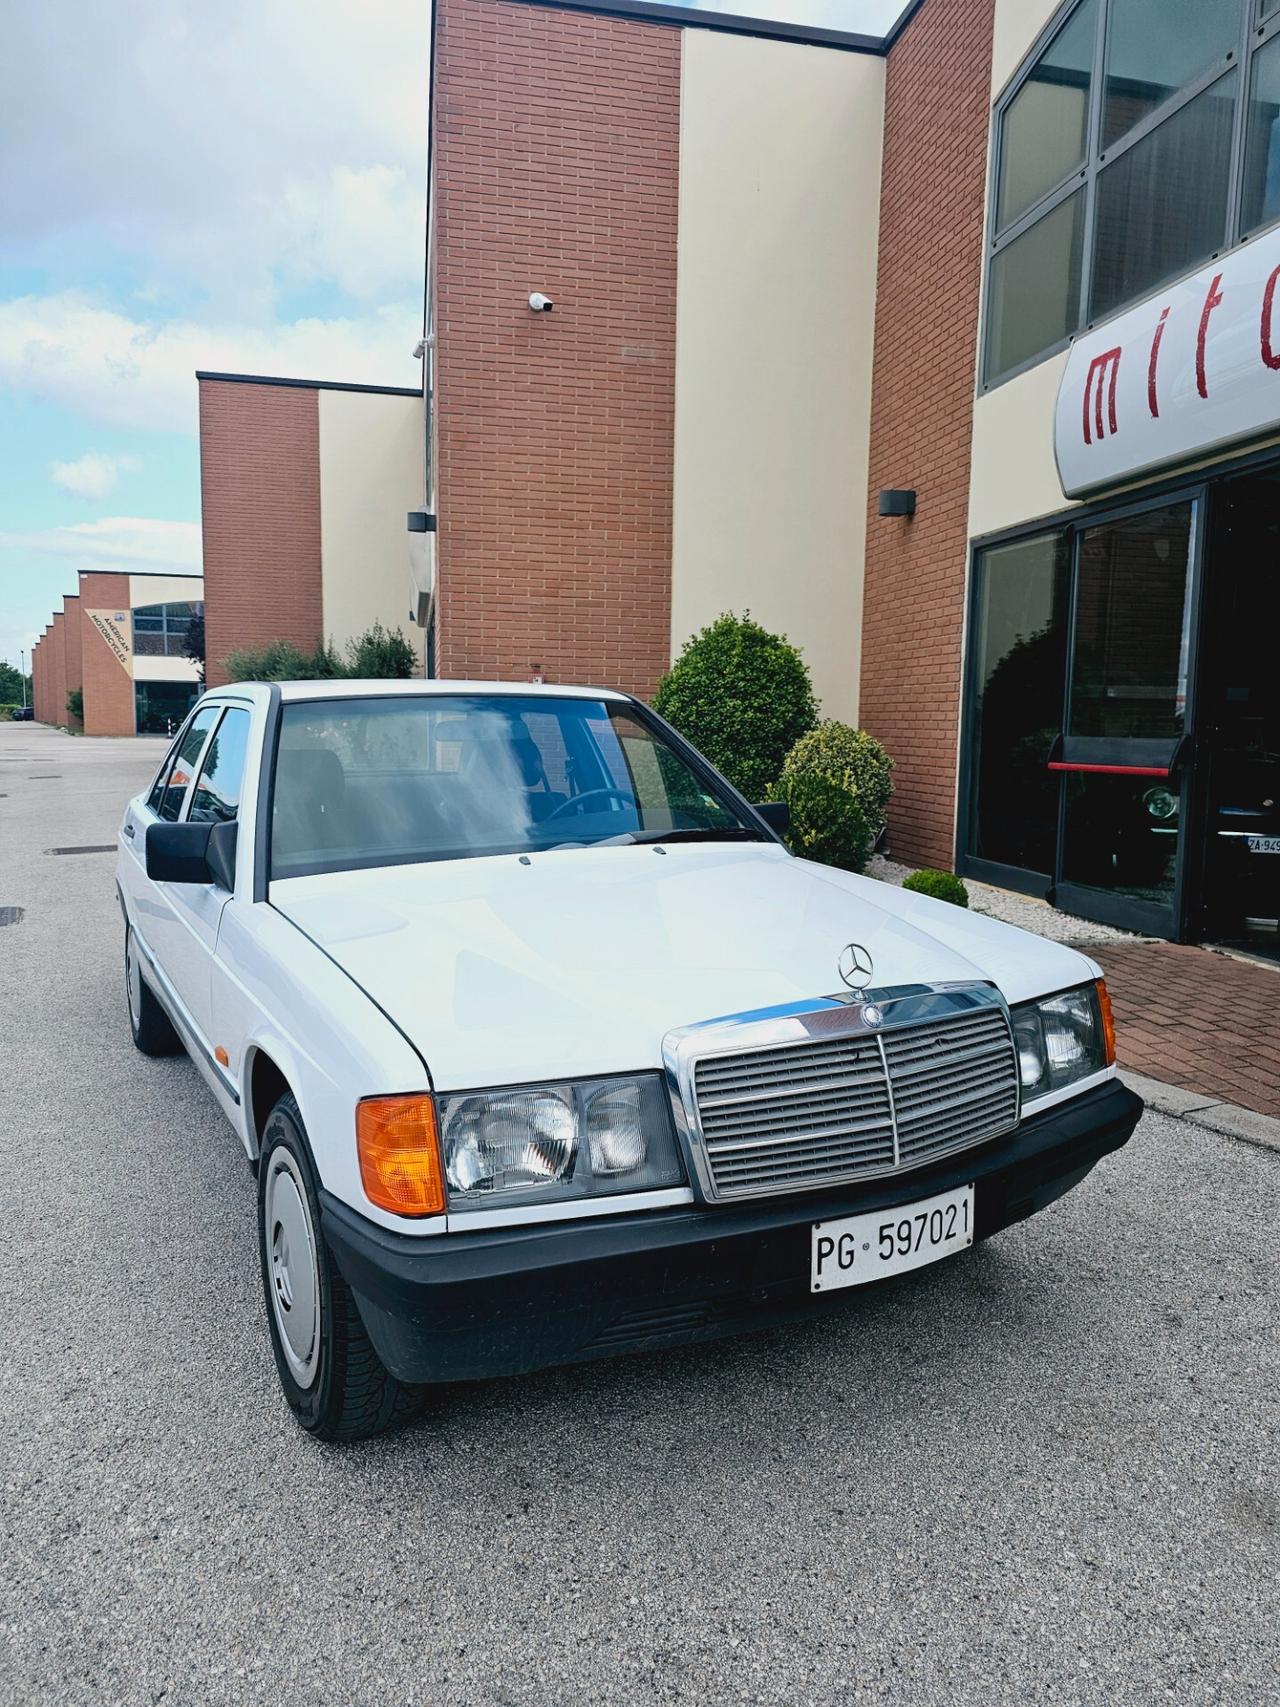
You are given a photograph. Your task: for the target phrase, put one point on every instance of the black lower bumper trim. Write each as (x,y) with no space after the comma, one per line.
(501,1301)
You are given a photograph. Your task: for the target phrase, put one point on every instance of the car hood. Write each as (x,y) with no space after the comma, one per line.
(578,961)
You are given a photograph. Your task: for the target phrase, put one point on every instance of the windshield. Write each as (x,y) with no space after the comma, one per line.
(390,781)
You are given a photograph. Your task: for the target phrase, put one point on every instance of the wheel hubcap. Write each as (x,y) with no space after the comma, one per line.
(293,1268)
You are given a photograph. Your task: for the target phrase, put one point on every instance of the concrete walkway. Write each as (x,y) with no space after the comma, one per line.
(1205,1022)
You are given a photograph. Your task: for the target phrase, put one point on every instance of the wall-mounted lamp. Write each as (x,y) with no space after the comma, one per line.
(897,501)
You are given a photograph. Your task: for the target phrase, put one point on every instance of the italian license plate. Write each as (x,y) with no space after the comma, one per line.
(1264,844)
(859,1248)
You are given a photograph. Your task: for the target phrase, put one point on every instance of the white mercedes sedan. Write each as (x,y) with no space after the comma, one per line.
(546,1048)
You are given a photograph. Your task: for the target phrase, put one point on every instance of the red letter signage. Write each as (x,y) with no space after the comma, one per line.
(1095,382)
(1268,300)
(1153,402)
(1211,301)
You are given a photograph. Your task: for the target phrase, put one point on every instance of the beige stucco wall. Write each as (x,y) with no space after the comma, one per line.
(1013,476)
(164,589)
(371,476)
(779,209)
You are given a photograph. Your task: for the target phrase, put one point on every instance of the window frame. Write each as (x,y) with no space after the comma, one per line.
(1253,34)
(226,709)
(197,710)
(172,628)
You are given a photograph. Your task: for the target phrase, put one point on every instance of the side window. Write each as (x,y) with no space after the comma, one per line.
(174,789)
(162,775)
(216,798)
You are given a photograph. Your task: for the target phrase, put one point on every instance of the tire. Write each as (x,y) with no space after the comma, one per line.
(336,1385)
(153,1031)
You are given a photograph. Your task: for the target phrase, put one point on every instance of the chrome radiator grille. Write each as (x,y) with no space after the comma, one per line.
(836,1109)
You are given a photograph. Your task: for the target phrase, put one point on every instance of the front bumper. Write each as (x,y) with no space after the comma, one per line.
(504,1301)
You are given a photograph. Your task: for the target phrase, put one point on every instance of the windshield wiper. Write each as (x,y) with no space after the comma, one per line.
(727,833)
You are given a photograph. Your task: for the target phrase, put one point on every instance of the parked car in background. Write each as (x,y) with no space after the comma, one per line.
(22,714)
(546,1048)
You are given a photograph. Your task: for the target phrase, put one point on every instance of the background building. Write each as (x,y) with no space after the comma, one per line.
(121,641)
(304,492)
(950,354)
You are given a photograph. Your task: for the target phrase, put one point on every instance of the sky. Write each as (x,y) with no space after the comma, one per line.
(235,185)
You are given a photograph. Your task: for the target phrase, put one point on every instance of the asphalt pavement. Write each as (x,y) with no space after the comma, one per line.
(1045,1471)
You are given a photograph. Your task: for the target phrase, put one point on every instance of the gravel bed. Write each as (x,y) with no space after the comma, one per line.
(1021,910)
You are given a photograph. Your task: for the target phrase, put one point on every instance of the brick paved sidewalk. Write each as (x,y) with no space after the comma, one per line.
(1197,1019)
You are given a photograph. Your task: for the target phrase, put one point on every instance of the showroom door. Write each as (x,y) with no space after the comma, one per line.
(1125,754)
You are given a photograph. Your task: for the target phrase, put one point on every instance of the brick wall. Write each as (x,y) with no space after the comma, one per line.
(37,681)
(937,115)
(58,672)
(72,644)
(260,514)
(557,149)
(108,686)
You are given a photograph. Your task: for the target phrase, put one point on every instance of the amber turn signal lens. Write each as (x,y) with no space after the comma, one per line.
(1108,1022)
(399,1149)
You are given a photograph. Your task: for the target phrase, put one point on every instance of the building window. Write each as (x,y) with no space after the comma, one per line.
(160,631)
(1123,161)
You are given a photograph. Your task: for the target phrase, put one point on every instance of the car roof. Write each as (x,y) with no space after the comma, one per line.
(346,688)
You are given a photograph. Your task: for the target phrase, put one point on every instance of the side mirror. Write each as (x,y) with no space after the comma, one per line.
(777,815)
(192,853)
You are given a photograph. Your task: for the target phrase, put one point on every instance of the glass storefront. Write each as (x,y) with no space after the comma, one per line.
(1122,744)
(159,707)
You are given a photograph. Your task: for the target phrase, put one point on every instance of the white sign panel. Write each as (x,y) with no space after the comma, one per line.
(1193,368)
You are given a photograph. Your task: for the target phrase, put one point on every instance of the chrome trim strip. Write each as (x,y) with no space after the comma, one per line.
(823,1019)
(893,1109)
(574,1209)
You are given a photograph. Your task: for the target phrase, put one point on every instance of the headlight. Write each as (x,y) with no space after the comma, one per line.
(549,1143)
(1061,1039)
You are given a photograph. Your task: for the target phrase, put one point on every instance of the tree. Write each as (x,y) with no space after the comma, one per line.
(193,645)
(12,683)
(743,697)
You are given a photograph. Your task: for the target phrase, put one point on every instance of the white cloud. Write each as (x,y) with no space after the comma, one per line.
(229,150)
(92,475)
(116,542)
(69,350)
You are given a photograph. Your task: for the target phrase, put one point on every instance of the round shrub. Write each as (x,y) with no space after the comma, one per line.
(942,885)
(743,697)
(850,758)
(827,823)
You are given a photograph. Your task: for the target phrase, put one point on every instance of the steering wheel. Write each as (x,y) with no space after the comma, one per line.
(576,802)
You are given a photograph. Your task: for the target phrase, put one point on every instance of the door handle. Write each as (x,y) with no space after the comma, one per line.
(128,830)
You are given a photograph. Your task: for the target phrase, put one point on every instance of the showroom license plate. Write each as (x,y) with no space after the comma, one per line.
(859,1248)
(1264,844)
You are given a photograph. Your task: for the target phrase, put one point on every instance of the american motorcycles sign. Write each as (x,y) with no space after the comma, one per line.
(1195,367)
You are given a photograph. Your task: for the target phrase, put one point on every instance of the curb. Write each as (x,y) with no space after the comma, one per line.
(1221,1117)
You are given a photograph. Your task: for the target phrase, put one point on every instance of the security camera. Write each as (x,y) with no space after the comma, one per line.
(540,304)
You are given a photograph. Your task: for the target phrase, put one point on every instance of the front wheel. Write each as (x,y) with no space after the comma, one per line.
(336,1385)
